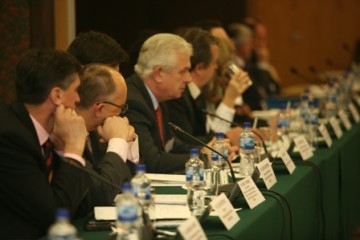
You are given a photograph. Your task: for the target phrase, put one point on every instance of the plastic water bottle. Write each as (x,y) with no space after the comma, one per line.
(222,147)
(313,124)
(62,229)
(330,105)
(128,212)
(247,142)
(194,169)
(142,187)
(283,121)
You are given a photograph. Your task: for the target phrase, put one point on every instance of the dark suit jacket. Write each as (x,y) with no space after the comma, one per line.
(108,165)
(188,115)
(142,116)
(27,200)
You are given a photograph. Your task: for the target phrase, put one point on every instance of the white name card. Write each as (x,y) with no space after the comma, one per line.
(344,119)
(335,125)
(325,134)
(251,192)
(304,147)
(191,229)
(354,112)
(267,173)
(289,163)
(225,211)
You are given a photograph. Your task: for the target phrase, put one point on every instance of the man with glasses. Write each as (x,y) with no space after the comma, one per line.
(103,94)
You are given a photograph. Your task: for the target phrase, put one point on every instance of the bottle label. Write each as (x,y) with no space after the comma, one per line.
(127,213)
(189,174)
(214,156)
(247,143)
(143,194)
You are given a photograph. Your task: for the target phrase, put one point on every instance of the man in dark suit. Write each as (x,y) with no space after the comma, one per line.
(103,94)
(34,180)
(187,111)
(162,71)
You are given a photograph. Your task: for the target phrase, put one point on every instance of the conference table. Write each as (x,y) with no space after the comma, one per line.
(320,200)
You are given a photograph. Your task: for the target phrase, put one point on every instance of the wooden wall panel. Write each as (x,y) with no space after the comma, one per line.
(307,32)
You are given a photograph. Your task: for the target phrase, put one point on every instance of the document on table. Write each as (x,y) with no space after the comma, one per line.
(167,206)
(166,179)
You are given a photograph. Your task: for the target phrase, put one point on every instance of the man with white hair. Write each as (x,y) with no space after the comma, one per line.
(162,72)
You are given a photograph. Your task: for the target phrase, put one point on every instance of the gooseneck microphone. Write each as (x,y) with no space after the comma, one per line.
(76,164)
(268,155)
(178,129)
(294,71)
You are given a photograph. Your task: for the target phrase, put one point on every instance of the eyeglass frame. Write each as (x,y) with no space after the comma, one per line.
(123,107)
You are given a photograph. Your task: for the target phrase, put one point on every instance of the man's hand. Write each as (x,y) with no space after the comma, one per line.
(69,133)
(236,87)
(116,127)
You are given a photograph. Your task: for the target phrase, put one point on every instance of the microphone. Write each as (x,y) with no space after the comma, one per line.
(178,129)
(77,165)
(296,73)
(267,154)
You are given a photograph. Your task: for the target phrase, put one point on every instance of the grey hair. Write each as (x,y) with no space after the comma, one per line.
(97,84)
(239,33)
(160,50)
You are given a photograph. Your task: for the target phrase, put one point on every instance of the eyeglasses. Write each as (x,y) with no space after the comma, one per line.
(123,107)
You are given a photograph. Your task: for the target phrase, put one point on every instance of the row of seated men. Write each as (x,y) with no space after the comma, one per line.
(76,107)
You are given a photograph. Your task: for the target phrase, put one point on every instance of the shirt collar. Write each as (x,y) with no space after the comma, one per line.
(42,134)
(153,98)
(194,90)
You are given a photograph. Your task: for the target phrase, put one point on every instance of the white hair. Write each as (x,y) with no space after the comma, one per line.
(160,50)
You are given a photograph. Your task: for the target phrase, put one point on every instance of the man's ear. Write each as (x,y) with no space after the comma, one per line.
(56,95)
(98,109)
(158,74)
(199,69)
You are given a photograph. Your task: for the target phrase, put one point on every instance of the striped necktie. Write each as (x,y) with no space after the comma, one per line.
(48,154)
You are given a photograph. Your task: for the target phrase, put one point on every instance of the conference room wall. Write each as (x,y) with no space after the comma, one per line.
(307,32)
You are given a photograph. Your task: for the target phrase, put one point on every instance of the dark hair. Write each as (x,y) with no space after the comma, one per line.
(201,41)
(97,47)
(208,24)
(97,84)
(39,70)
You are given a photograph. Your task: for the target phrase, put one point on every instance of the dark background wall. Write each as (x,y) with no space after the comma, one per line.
(129,22)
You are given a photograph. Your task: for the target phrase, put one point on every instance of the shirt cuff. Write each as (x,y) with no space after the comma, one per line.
(133,151)
(118,146)
(75,157)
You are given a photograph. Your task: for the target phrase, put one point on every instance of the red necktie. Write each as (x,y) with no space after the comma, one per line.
(48,154)
(159,121)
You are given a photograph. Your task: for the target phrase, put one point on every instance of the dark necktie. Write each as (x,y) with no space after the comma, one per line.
(48,154)
(159,120)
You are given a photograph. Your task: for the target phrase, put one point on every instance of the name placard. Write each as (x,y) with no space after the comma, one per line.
(335,125)
(251,192)
(225,211)
(267,173)
(344,119)
(354,112)
(304,147)
(191,229)
(325,134)
(289,163)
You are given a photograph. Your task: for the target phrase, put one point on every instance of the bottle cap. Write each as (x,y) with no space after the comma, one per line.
(247,124)
(219,135)
(140,168)
(62,213)
(126,187)
(194,151)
